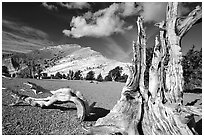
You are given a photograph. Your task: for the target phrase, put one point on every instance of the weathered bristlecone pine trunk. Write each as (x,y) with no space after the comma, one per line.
(62,95)
(158,110)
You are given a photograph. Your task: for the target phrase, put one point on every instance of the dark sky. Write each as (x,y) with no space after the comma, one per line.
(108,28)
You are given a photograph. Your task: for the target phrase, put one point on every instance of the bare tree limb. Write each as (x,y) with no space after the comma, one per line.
(62,95)
(162,112)
(126,114)
(184,24)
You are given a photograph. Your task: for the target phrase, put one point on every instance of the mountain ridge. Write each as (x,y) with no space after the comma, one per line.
(62,58)
(84,59)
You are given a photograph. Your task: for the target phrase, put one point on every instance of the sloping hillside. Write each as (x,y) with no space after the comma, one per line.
(63,58)
(75,57)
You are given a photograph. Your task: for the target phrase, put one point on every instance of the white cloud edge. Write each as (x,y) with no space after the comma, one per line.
(106,21)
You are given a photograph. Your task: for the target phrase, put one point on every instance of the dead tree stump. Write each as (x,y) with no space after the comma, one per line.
(159,109)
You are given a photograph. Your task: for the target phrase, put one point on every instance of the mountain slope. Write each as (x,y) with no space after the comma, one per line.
(75,57)
(63,58)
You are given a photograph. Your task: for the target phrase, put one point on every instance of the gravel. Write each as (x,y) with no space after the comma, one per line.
(60,119)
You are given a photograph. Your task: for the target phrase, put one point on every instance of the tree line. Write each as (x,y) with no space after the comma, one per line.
(192,70)
(113,75)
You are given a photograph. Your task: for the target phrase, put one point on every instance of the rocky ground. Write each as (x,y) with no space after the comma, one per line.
(62,119)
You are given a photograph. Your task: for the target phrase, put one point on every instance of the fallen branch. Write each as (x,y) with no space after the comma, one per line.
(62,95)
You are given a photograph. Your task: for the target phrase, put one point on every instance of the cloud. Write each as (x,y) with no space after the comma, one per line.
(129,27)
(22,29)
(74,5)
(129,8)
(110,20)
(12,42)
(102,23)
(153,11)
(49,7)
(21,38)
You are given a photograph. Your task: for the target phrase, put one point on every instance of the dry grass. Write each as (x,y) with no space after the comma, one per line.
(27,120)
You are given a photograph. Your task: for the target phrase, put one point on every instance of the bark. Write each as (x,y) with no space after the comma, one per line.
(125,116)
(176,28)
(158,110)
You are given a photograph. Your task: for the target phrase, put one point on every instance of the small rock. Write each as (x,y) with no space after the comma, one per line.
(18,123)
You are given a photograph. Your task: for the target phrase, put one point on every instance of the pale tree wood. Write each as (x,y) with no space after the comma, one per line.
(174,73)
(60,96)
(153,71)
(160,116)
(175,30)
(125,116)
(162,68)
(167,115)
(184,24)
(158,110)
(141,43)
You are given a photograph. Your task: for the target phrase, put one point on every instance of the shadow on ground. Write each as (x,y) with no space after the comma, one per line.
(96,113)
(198,127)
(196,90)
(59,107)
(62,108)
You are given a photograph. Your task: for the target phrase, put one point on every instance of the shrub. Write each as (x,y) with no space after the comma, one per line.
(90,75)
(108,78)
(58,75)
(123,78)
(99,78)
(78,75)
(64,76)
(196,90)
(115,74)
(192,69)
(25,73)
